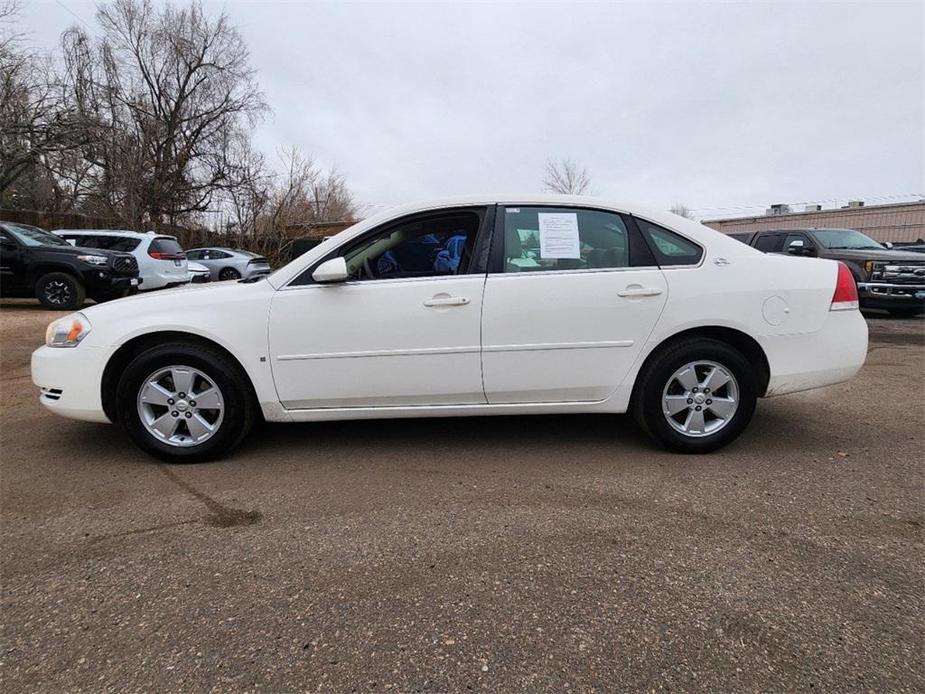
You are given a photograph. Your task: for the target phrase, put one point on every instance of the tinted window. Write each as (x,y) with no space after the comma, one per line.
(540,239)
(218,255)
(744,238)
(194,255)
(670,248)
(431,246)
(165,245)
(769,243)
(112,243)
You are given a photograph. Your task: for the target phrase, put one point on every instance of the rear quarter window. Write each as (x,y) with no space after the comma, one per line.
(669,247)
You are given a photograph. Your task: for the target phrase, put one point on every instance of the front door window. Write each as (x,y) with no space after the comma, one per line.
(429,246)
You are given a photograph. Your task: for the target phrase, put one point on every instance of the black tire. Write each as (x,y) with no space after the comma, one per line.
(228,273)
(238,414)
(60,291)
(906,312)
(647,406)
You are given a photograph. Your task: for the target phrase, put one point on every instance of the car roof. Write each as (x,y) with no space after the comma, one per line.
(718,241)
(116,232)
(784,231)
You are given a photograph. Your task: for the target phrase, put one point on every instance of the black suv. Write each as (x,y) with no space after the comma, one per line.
(891,279)
(34,262)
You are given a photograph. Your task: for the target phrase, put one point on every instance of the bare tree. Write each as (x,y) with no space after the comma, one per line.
(681,210)
(32,124)
(163,96)
(564,176)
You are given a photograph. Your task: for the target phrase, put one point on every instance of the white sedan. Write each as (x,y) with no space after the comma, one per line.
(476,306)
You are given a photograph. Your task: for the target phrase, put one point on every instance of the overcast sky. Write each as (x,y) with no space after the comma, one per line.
(715,105)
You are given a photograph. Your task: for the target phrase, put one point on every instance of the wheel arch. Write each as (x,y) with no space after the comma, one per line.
(43,268)
(121,358)
(733,337)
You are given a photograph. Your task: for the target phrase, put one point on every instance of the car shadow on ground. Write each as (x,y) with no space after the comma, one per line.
(780,426)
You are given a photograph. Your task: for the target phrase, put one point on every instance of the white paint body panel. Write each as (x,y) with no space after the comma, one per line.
(377,343)
(565,336)
(544,343)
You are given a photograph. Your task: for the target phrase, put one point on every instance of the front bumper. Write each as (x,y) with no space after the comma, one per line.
(105,282)
(889,295)
(70,380)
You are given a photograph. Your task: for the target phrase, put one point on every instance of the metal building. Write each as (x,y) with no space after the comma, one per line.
(902,221)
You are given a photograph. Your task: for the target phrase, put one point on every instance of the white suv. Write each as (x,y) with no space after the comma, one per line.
(161,260)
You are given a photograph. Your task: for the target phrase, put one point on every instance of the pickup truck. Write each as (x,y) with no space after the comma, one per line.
(890,279)
(36,263)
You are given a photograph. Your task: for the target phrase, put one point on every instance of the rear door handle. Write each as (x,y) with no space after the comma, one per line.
(640,291)
(447,301)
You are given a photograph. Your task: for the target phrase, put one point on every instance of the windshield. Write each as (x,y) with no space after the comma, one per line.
(33,236)
(845,238)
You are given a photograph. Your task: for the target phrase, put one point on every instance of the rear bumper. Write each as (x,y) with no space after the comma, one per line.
(886,295)
(160,280)
(70,380)
(831,355)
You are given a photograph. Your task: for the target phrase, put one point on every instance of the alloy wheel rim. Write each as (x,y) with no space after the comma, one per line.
(700,398)
(180,406)
(57,292)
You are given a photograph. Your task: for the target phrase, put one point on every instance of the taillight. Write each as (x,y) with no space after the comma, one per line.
(846,291)
(157,255)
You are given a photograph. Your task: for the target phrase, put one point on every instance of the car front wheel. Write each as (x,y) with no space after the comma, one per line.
(185,402)
(60,291)
(696,396)
(229,273)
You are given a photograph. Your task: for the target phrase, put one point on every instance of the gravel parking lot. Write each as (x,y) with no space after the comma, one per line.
(545,553)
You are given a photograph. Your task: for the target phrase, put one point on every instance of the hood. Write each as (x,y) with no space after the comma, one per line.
(177,297)
(884,254)
(79,250)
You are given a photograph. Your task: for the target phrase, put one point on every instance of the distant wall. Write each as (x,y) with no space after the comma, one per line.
(897,222)
(57,220)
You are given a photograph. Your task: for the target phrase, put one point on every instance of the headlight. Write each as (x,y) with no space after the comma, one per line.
(94,259)
(67,331)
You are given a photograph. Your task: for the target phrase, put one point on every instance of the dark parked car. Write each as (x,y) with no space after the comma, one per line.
(891,279)
(36,263)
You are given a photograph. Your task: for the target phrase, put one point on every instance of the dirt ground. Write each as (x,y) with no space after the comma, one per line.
(547,553)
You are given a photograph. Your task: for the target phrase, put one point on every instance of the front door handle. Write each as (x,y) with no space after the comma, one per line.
(636,290)
(447,301)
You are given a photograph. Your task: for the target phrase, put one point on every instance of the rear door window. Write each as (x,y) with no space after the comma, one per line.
(542,239)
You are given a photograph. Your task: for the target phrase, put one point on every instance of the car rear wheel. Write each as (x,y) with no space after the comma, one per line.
(229,273)
(695,396)
(60,291)
(185,402)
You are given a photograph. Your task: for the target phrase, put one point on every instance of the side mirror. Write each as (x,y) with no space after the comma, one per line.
(333,270)
(888,244)
(797,247)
